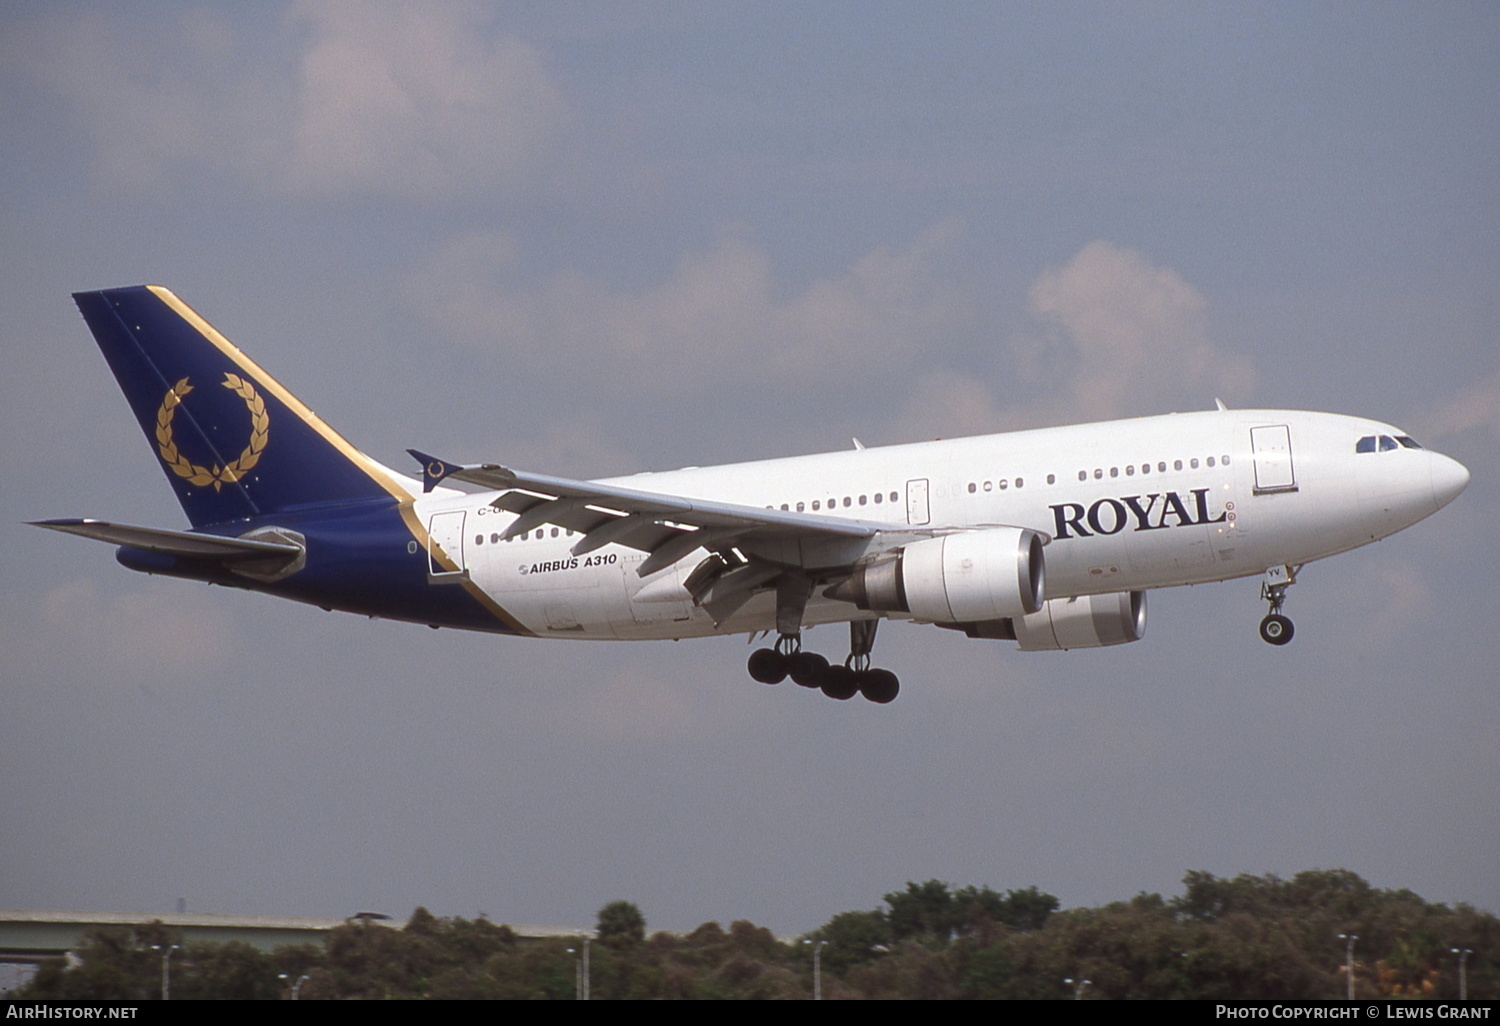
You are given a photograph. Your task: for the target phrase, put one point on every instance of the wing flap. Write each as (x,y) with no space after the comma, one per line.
(526,494)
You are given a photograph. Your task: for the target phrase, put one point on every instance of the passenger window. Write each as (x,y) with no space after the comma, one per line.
(479,539)
(1130,470)
(815,505)
(1365,444)
(799,507)
(1224,461)
(1051,479)
(1176,464)
(1083,475)
(783,507)
(1210,461)
(862,500)
(1161,468)
(1020,481)
(554,532)
(1002,485)
(846,501)
(1098,473)
(1193,463)
(1114,471)
(972,489)
(878,497)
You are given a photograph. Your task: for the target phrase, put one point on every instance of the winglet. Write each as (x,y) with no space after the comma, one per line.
(434,470)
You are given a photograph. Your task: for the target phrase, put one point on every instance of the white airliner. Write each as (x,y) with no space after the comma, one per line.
(1049,538)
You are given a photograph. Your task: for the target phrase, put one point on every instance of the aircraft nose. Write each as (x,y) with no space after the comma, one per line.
(1449,478)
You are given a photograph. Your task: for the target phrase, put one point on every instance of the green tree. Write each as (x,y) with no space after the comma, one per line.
(853,939)
(620,924)
(923,910)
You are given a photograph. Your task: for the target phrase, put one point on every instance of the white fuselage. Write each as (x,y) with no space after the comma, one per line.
(1126,505)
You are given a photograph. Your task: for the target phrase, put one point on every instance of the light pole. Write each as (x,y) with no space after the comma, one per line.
(581,979)
(1349,939)
(1077,986)
(1463,971)
(296,984)
(817,946)
(166,968)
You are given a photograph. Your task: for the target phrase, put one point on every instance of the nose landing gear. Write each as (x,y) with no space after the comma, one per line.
(1276,629)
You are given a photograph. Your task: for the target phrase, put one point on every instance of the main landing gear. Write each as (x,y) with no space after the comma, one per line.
(1276,629)
(810,670)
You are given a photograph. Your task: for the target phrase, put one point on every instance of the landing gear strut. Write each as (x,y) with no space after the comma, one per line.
(771,665)
(810,670)
(1276,629)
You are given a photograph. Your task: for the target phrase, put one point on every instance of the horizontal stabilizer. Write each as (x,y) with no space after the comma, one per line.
(175,543)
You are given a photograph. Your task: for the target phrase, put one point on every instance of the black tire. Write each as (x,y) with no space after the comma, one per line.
(808,669)
(841,683)
(1276,629)
(879,686)
(767,666)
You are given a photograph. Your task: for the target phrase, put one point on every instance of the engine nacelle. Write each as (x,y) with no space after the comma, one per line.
(1089,621)
(974,575)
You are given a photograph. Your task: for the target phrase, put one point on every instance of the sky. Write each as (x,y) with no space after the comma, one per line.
(589,239)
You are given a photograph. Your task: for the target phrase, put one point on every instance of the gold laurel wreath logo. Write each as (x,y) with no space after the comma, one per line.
(260,427)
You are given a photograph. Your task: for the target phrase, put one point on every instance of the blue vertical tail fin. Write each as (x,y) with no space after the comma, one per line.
(232,441)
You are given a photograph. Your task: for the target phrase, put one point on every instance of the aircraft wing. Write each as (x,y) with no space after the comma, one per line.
(175,543)
(666,526)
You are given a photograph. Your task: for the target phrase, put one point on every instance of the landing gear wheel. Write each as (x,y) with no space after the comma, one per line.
(879,686)
(767,666)
(840,683)
(808,669)
(1276,629)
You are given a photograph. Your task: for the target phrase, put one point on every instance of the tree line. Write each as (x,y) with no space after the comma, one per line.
(1249,937)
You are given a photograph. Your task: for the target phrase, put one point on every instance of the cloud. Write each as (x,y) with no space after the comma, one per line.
(1133,334)
(405,97)
(1476,406)
(1110,335)
(716,314)
(419,101)
(150,635)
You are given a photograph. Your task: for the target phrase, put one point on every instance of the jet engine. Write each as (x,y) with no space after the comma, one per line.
(1089,621)
(955,578)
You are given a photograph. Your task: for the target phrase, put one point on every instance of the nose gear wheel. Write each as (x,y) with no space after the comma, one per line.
(1276,629)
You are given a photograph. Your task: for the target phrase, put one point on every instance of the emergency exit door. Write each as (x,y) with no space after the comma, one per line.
(1272,447)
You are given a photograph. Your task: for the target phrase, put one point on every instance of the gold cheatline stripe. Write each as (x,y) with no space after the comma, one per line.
(338,441)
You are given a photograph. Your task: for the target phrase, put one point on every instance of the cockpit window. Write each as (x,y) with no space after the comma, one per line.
(1385,443)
